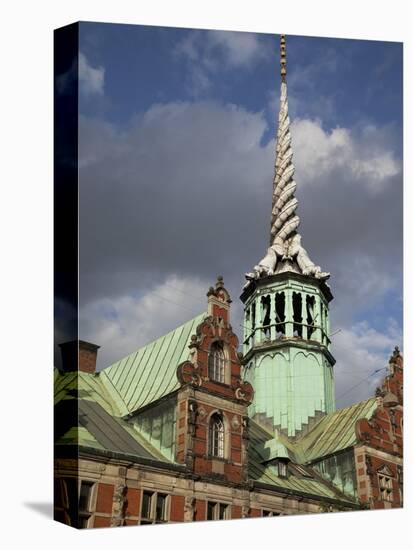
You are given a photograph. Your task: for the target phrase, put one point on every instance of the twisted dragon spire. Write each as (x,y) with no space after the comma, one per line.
(285,252)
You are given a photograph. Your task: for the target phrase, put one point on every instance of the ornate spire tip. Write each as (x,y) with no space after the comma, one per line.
(283,58)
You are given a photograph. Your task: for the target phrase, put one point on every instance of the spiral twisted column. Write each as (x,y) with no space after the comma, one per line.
(285,252)
(284,220)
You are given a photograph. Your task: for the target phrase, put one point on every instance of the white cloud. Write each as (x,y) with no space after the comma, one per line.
(208,51)
(239,49)
(319,153)
(362,354)
(91,80)
(123,324)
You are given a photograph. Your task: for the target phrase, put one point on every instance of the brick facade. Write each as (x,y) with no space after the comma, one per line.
(379,452)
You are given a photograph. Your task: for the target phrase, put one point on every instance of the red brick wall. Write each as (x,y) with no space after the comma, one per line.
(200,510)
(255,513)
(101,522)
(236,512)
(134,499)
(104,498)
(177,508)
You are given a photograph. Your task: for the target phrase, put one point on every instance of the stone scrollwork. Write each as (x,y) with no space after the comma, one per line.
(188,373)
(244,392)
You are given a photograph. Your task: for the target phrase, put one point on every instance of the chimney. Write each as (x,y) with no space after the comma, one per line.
(79,355)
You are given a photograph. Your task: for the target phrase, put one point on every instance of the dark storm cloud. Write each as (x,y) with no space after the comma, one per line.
(187,190)
(184,191)
(184,194)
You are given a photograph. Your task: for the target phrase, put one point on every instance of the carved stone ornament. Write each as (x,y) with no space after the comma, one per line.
(285,252)
(244,392)
(188,373)
(119,505)
(369,466)
(235,423)
(189,508)
(246,511)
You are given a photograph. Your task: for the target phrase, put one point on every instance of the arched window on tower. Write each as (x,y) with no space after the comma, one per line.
(279,314)
(297,318)
(310,303)
(216,363)
(216,436)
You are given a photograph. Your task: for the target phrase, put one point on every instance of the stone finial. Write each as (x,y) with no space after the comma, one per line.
(220,282)
(395,355)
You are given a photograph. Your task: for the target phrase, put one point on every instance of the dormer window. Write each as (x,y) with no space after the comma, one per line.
(216,436)
(282,468)
(216,363)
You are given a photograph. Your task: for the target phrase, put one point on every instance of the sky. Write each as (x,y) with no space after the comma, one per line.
(176,155)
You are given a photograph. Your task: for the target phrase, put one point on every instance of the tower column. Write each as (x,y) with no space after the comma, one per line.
(258,320)
(304,314)
(247,330)
(272,315)
(288,313)
(317,314)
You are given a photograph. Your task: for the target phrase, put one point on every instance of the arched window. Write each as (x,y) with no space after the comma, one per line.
(216,363)
(216,436)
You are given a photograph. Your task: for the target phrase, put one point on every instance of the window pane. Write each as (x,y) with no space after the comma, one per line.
(211,510)
(223,511)
(161,507)
(84,497)
(216,363)
(83,522)
(217,436)
(146,504)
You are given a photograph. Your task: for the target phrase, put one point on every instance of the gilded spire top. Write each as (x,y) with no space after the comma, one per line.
(283,58)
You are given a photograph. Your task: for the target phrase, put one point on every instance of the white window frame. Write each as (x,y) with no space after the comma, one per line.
(216,510)
(89,510)
(282,468)
(216,436)
(265,513)
(385,487)
(217,363)
(152,507)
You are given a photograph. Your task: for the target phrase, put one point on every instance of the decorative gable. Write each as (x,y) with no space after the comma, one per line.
(212,422)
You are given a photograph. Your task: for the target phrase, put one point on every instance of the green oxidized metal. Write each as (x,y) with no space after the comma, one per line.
(286,350)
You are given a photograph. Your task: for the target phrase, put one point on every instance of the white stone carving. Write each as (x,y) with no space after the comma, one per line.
(285,251)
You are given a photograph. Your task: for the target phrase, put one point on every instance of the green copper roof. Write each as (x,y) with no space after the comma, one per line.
(150,372)
(267,473)
(86,423)
(104,398)
(85,386)
(274,448)
(333,432)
